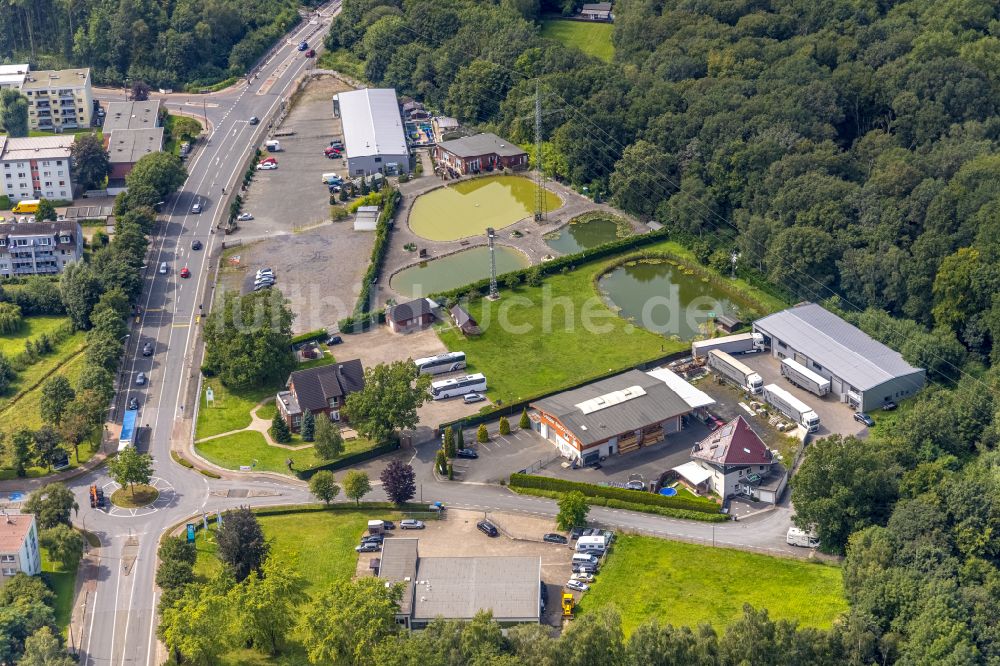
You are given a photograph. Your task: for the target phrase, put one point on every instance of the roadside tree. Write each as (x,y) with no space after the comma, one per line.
(57,394)
(328,441)
(131,467)
(176,568)
(164,172)
(190,626)
(389,400)
(80,291)
(53,504)
(399,482)
(42,648)
(573,510)
(356,485)
(140,90)
(242,547)
(264,606)
(323,486)
(65,545)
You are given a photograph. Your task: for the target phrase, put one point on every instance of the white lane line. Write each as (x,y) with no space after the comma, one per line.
(131,599)
(93,613)
(114,619)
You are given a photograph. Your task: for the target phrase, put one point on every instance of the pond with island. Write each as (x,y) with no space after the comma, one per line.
(455,270)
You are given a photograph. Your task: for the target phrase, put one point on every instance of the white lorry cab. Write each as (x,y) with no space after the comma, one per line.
(800,537)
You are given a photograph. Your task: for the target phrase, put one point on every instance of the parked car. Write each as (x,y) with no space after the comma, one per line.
(585,568)
(608,535)
(147,349)
(368,548)
(337,143)
(552,537)
(488,528)
(253,120)
(196,244)
(889,406)
(388,524)
(185,272)
(265,271)
(244,217)
(196,209)
(466,453)
(861,417)
(333,340)
(411,524)
(589,531)
(266,166)
(133,404)
(577,585)
(269,160)
(470,398)
(576,533)
(263,285)
(265,279)
(372,538)
(583,577)
(140,379)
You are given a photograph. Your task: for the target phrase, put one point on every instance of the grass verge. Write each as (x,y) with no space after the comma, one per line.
(669,512)
(62,583)
(673,582)
(243,448)
(342,61)
(133,498)
(591,38)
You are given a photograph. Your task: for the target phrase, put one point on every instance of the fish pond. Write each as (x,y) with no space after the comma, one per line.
(584,234)
(454,270)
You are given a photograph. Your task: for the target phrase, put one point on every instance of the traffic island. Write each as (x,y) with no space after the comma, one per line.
(135,497)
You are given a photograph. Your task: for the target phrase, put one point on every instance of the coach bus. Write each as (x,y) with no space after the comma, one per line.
(449,388)
(436,365)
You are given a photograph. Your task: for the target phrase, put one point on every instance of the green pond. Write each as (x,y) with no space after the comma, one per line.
(661,298)
(455,270)
(581,236)
(468,207)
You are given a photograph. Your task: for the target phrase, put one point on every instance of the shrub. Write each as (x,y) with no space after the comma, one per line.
(309,336)
(180,461)
(441,462)
(684,514)
(611,493)
(451,472)
(525,422)
(504,426)
(482,435)
(209,473)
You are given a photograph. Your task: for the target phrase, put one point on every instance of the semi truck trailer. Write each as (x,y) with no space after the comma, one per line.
(792,407)
(803,377)
(742,343)
(726,366)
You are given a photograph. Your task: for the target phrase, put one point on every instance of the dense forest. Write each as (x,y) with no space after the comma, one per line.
(841,147)
(166,44)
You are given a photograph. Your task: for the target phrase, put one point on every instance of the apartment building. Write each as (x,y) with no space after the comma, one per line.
(58,100)
(131,131)
(18,546)
(36,167)
(12,76)
(38,248)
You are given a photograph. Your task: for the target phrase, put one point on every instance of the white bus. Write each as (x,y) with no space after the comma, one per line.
(435,365)
(449,388)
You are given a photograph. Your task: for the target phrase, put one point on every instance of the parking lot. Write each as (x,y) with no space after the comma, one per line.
(503,454)
(318,264)
(456,536)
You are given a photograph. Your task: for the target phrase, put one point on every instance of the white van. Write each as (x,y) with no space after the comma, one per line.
(163,268)
(800,537)
(584,558)
(331,178)
(592,544)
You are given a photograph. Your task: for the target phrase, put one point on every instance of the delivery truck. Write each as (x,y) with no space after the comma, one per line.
(742,343)
(792,407)
(803,377)
(726,366)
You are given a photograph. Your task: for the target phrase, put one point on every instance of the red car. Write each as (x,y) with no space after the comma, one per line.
(269,160)
(185,273)
(331,152)
(311,53)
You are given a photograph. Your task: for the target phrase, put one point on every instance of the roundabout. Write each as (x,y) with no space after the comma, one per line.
(148,499)
(135,497)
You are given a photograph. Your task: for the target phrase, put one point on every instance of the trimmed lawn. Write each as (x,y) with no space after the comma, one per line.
(591,38)
(242,448)
(62,583)
(31,327)
(540,339)
(685,584)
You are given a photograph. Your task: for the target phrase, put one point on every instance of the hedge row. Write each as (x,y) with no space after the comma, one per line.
(309,336)
(307,473)
(389,206)
(668,512)
(612,493)
(340,506)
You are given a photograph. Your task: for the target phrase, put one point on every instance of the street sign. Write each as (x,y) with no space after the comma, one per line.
(209,395)
(190,532)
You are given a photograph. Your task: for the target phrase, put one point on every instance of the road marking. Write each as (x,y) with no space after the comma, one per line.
(128,616)
(182,324)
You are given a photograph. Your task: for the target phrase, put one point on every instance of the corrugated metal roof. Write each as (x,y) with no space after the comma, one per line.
(840,347)
(459,587)
(659,403)
(371,121)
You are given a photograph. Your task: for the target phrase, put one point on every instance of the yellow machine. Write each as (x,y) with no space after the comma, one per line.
(567,604)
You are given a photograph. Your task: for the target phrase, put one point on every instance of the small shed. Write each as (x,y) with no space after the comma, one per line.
(366,218)
(464,321)
(729,323)
(597,11)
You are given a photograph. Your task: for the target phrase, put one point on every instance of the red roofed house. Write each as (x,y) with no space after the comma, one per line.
(739,463)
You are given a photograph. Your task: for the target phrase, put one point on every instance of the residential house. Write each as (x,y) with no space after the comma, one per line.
(735,461)
(321,390)
(464,321)
(131,131)
(18,546)
(36,167)
(412,316)
(39,248)
(480,152)
(442,126)
(59,100)
(597,11)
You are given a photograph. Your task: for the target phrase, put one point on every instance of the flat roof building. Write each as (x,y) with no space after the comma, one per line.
(131,131)
(374,139)
(132,115)
(862,371)
(12,76)
(39,248)
(36,167)
(619,414)
(456,588)
(59,99)
(18,546)
(480,152)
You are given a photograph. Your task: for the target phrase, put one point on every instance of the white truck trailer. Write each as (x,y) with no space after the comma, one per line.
(792,407)
(803,377)
(741,343)
(726,366)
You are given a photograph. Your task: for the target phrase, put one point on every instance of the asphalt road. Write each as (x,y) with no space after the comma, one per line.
(118,621)
(118,625)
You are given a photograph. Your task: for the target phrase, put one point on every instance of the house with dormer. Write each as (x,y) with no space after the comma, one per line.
(321,390)
(735,461)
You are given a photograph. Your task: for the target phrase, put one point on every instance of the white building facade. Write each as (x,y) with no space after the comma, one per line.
(18,546)
(36,168)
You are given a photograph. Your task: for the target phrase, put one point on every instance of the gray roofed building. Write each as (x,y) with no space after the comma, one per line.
(862,371)
(129,146)
(614,415)
(481,144)
(480,152)
(596,11)
(373,130)
(319,390)
(132,115)
(456,588)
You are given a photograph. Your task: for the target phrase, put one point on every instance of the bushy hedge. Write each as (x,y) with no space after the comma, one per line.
(390,202)
(684,514)
(360,322)
(347,461)
(612,493)
(309,336)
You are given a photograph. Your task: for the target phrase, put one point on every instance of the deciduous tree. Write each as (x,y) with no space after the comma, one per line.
(90,161)
(65,545)
(399,482)
(265,605)
(329,443)
(46,446)
(348,621)
(57,394)
(388,401)
(13,112)
(46,211)
(42,648)
(130,467)
(53,504)
(242,547)
(356,485)
(573,510)
(323,486)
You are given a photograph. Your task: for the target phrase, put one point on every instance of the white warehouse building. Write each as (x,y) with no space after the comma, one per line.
(863,372)
(374,140)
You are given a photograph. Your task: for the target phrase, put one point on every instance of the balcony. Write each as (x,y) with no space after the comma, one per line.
(42,104)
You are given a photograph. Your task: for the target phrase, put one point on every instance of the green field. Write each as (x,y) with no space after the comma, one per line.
(686,584)
(63,584)
(591,38)
(544,345)
(242,448)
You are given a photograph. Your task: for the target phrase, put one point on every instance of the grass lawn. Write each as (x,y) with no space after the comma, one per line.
(685,584)
(62,583)
(342,60)
(591,38)
(133,498)
(543,344)
(321,546)
(242,448)
(31,327)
